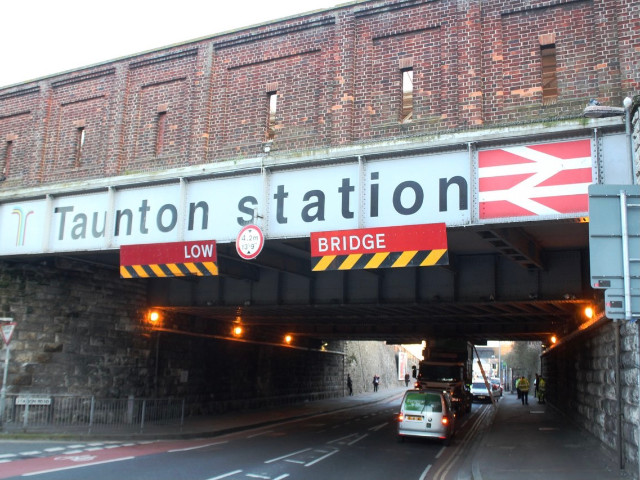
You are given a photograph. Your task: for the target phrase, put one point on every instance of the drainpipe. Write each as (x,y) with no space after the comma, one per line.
(618,393)
(638,386)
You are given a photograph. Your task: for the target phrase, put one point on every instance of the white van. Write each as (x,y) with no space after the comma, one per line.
(426,413)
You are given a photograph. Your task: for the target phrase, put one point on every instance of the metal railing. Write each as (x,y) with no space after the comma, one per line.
(81,414)
(67,413)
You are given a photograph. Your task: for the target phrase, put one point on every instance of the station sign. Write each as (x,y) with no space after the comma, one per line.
(176,259)
(35,400)
(383,247)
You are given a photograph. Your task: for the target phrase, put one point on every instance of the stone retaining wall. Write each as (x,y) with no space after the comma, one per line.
(81,330)
(581,382)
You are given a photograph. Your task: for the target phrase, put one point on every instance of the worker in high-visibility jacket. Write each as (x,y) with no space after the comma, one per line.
(542,390)
(523,388)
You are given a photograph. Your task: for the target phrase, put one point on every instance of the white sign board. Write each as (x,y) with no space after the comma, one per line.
(534,182)
(7,331)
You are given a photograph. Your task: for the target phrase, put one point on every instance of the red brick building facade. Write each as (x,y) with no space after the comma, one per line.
(337,79)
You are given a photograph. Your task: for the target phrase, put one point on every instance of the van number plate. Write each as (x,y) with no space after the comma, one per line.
(413,417)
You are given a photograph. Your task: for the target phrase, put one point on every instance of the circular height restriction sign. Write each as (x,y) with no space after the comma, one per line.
(249,242)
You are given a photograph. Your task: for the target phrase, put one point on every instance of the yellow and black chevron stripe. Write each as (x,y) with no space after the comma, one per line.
(360,261)
(200,269)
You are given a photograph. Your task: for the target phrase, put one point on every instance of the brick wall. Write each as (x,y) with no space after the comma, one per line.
(337,75)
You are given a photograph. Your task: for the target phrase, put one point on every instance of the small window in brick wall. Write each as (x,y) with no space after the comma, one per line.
(6,158)
(406,113)
(273,110)
(81,135)
(549,73)
(161,123)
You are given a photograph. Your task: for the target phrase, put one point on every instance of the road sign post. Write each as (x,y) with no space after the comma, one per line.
(614,245)
(7,327)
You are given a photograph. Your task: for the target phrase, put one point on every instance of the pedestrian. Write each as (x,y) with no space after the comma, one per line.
(541,390)
(517,389)
(523,388)
(349,384)
(407,377)
(376,382)
(535,386)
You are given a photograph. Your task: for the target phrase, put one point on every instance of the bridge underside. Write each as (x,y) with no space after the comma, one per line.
(518,282)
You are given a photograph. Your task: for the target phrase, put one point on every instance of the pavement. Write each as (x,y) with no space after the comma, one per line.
(535,441)
(512,442)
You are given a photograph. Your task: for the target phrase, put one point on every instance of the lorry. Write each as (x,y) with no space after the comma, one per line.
(448,365)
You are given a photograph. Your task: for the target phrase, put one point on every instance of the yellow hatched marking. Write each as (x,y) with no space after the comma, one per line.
(433,257)
(139,270)
(324,263)
(350,261)
(376,260)
(124,273)
(212,267)
(404,259)
(193,269)
(175,270)
(157,270)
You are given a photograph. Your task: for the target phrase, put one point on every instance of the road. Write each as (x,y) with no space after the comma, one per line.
(356,443)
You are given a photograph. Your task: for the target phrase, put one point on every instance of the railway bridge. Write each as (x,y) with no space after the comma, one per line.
(379,171)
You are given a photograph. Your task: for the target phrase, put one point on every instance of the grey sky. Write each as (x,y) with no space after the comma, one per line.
(43,37)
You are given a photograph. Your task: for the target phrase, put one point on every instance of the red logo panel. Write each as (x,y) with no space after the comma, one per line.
(535,180)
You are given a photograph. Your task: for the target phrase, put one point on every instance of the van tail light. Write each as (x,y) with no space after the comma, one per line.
(400,417)
(445,420)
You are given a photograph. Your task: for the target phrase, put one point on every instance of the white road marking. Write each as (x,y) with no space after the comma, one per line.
(424,474)
(294,461)
(196,447)
(8,455)
(287,456)
(357,439)
(76,466)
(255,475)
(54,449)
(321,458)
(459,449)
(285,475)
(442,450)
(342,438)
(225,475)
(32,452)
(378,427)
(258,434)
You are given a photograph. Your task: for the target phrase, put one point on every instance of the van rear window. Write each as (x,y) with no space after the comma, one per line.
(422,402)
